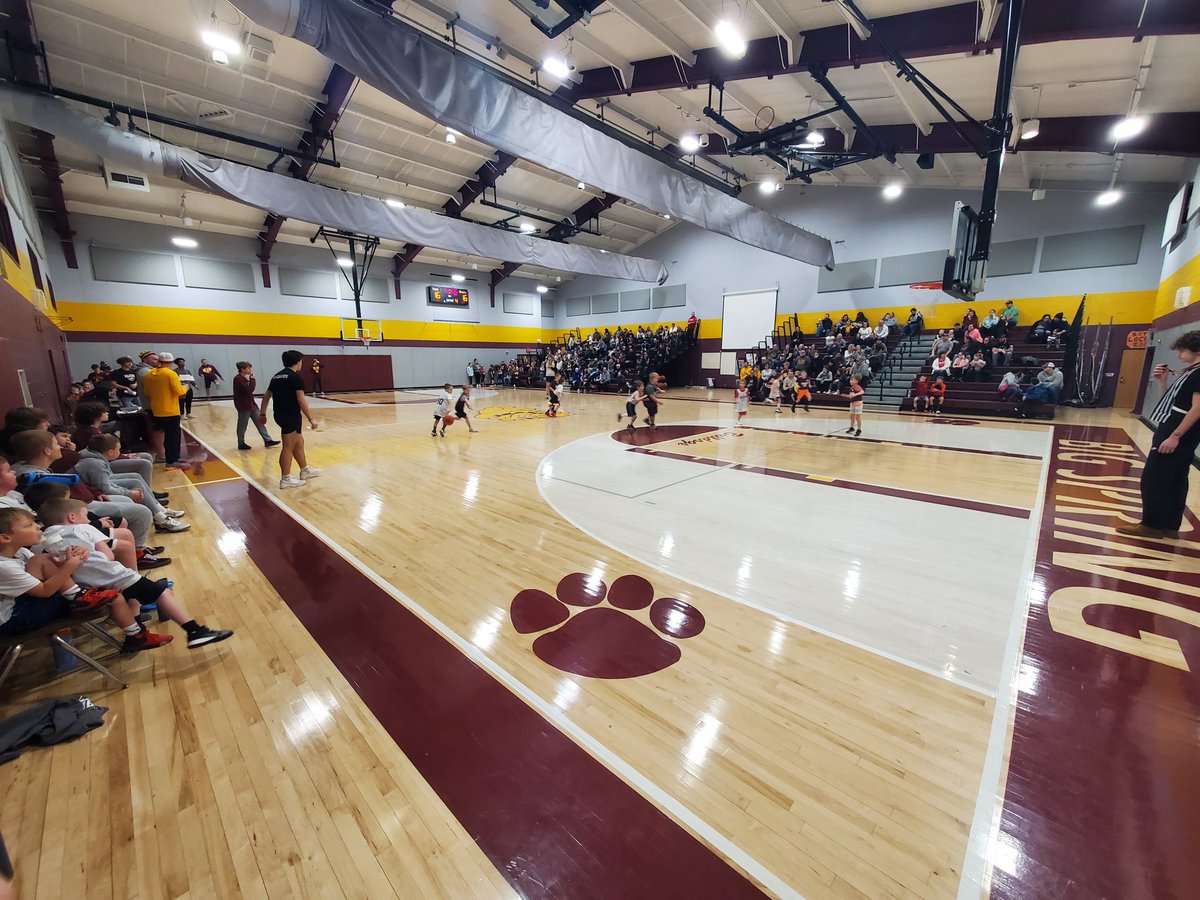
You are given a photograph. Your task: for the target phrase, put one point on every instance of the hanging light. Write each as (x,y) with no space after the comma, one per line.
(220,57)
(1109,197)
(1130,126)
(814,138)
(456,277)
(689,143)
(394,203)
(214,40)
(581,186)
(769,186)
(528,227)
(892,191)
(541,289)
(729,39)
(666,215)
(186,243)
(556,67)
(1030,129)
(452,135)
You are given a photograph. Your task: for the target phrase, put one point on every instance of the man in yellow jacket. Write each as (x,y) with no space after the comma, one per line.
(163,389)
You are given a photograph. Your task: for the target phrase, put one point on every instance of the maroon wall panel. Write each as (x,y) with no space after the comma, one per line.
(30,341)
(351,373)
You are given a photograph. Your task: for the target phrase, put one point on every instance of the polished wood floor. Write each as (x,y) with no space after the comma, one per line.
(255,769)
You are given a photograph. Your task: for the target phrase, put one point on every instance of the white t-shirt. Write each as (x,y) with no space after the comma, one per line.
(443,404)
(97,570)
(14,500)
(14,581)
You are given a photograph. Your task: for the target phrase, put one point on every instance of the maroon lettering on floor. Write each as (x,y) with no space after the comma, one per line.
(863,440)
(824,481)
(1103,790)
(640,437)
(551,818)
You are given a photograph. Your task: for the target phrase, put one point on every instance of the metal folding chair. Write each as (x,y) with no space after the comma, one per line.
(11,646)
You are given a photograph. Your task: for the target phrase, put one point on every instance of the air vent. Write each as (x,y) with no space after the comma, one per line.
(259,49)
(125,180)
(195,110)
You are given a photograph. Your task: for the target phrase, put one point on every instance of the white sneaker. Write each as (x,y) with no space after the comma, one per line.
(171,526)
(174,513)
(290,482)
(310,472)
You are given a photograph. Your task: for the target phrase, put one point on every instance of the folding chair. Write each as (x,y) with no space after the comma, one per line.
(11,646)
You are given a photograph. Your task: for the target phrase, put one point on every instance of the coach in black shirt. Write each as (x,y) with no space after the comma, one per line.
(291,407)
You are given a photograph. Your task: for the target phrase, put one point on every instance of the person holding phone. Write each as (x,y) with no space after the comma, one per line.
(1176,418)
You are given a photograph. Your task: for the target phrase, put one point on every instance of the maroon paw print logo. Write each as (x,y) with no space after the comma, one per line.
(605,641)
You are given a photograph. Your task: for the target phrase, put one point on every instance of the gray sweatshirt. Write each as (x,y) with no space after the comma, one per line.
(96,472)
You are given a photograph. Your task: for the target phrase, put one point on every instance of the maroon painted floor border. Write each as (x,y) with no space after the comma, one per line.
(551,818)
(1103,790)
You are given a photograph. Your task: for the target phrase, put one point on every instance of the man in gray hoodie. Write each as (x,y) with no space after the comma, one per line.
(95,470)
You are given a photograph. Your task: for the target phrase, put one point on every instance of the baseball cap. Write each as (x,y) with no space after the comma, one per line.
(145,353)
(1049,365)
(166,356)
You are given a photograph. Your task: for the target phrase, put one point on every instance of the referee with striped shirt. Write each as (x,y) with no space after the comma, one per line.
(1176,418)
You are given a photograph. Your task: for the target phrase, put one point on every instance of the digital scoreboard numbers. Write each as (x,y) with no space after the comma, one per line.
(449,296)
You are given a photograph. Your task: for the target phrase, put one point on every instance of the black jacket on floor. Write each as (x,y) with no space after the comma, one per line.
(48,722)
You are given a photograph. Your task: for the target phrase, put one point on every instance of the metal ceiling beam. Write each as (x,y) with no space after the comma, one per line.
(632,11)
(916,35)
(560,232)
(338,88)
(23,64)
(1166,134)
(471,191)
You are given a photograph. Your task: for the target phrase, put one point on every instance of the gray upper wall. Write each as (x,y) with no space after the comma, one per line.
(306,263)
(864,226)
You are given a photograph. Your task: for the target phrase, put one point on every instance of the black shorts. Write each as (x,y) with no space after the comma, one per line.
(289,423)
(651,407)
(162,423)
(460,411)
(554,401)
(144,591)
(631,410)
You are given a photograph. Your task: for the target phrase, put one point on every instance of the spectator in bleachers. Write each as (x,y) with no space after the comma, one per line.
(958,368)
(71,403)
(970,320)
(1056,335)
(915,323)
(1048,387)
(882,330)
(989,323)
(1010,388)
(937,394)
(126,380)
(941,365)
(825,326)
(920,390)
(889,319)
(1011,315)
(1002,353)
(941,344)
(1040,330)
(95,470)
(977,368)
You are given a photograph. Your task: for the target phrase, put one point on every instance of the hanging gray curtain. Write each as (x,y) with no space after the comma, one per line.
(429,76)
(308,202)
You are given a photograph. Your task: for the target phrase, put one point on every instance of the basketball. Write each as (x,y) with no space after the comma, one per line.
(448,420)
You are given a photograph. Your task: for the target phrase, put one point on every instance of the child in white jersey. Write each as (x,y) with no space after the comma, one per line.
(441,408)
(741,396)
(776,393)
(636,396)
(67,525)
(554,391)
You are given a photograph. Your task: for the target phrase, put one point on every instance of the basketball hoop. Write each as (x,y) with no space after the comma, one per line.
(365,336)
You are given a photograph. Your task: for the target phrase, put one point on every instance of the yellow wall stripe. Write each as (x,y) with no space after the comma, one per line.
(1187,275)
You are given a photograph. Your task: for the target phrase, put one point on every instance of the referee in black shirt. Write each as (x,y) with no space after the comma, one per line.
(1176,418)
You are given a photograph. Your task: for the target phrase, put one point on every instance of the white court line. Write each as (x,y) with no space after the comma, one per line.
(975,881)
(691,579)
(631,776)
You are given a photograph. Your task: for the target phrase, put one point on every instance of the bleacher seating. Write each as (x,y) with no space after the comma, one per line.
(982,397)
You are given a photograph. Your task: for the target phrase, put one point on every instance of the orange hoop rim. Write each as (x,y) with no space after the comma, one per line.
(926,286)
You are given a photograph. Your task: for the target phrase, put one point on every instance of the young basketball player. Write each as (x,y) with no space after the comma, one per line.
(855,396)
(803,394)
(655,388)
(553,396)
(441,408)
(776,393)
(462,405)
(741,397)
(636,396)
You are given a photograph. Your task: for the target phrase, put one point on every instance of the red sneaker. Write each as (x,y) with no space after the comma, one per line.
(146,640)
(91,598)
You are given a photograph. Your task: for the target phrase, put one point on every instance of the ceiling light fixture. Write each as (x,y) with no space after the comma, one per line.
(769,186)
(541,289)
(186,242)
(1109,197)
(528,227)
(220,57)
(394,203)
(666,215)
(345,262)
(456,277)
(452,135)
(892,191)
(1130,126)
(214,40)
(729,39)
(557,67)
(581,186)
(1030,129)
(814,138)
(689,143)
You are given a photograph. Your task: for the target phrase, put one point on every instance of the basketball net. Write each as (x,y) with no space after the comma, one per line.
(923,295)
(366,341)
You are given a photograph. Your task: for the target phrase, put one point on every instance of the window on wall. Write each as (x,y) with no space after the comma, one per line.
(8,240)
(35,267)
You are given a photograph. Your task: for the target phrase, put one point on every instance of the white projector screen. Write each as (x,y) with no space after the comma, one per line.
(747,319)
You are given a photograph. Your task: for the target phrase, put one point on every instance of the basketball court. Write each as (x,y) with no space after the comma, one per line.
(560,658)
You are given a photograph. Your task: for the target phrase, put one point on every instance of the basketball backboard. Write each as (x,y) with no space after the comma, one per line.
(356,330)
(963,276)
